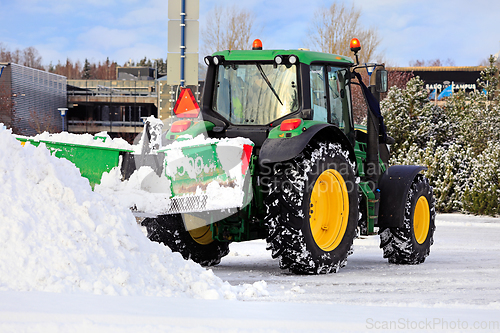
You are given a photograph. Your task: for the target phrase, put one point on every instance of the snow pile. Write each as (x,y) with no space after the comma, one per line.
(101,139)
(144,191)
(57,235)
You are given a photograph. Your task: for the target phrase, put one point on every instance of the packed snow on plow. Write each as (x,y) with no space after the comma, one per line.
(207,174)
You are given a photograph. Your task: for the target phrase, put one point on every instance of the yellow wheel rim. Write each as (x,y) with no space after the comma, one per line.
(329,210)
(421,220)
(202,235)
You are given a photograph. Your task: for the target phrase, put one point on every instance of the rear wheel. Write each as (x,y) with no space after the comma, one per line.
(312,210)
(411,243)
(196,244)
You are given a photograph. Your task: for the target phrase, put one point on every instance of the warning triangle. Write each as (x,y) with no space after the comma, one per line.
(186,105)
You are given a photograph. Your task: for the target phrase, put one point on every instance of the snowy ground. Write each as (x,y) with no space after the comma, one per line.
(456,289)
(75,260)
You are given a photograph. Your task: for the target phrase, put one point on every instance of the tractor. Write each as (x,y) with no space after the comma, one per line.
(311,180)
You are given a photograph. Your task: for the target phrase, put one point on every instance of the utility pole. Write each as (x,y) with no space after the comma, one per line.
(183,40)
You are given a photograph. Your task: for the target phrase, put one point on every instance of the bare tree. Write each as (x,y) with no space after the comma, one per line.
(41,122)
(333,28)
(432,63)
(227,28)
(31,58)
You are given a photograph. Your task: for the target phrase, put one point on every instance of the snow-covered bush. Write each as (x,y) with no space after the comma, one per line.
(459,143)
(411,119)
(483,196)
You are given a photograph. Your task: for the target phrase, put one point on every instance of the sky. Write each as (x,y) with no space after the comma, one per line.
(464,31)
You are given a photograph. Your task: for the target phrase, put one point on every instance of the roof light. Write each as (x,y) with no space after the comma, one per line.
(290,124)
(292,59)
(208,60)
(180,126)
(257,44)
(186,105)
(278,60)
(218,60)
(355,45)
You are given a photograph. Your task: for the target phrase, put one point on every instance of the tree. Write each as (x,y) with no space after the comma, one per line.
(459,143)
(28,57)
(483,196)
(227,28)
(86,70)
(432,63)
(333,28)
(31,58)
(145,62)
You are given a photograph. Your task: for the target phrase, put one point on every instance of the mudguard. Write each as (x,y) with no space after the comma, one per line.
(283,149)
(394,185)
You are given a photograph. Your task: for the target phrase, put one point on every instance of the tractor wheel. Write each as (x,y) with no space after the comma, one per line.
(312,210)
(197,244)
(411,243)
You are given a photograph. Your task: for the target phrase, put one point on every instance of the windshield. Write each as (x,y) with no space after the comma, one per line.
(255,94)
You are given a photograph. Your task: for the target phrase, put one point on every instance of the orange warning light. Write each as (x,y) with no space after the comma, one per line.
(355,45)
(186,105)
(257,44)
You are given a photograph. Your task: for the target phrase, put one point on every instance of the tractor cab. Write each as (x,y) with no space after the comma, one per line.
(256,90)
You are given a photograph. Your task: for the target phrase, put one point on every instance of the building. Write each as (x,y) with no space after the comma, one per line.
(30,99)
(440,78)
(119,106)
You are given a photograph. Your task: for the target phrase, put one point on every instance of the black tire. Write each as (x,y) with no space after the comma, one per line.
(291,217)
(196,244)
(411,243)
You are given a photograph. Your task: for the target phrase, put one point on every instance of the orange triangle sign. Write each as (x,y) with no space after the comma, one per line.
(186,105)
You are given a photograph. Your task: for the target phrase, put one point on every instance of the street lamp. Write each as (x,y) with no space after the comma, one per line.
(63,113)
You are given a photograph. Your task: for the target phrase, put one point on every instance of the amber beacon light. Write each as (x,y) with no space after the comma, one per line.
(257,44)
(355,45)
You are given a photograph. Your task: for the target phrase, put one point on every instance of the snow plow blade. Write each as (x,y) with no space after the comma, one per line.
(208,174)
(92,161)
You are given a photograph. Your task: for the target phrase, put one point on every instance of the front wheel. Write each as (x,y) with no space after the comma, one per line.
(312,210)
(197,244)
(411,243)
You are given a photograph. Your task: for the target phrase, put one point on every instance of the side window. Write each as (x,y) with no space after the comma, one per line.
(335,99)
(338,91)
(318,94)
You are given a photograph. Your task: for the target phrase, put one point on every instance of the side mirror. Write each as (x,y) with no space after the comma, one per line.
(381,80)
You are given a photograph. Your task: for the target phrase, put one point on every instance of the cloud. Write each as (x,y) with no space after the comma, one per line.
(105,38)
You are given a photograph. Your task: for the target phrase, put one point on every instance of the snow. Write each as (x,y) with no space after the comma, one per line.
(225,190)
(101,139)
(57,235)
(73,260)
(456,290)
(144,191)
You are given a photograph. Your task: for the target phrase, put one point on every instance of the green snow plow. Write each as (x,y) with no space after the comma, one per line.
(92,161)
(273,154)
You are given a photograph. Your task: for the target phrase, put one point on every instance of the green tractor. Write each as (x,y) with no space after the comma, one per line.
(310,179)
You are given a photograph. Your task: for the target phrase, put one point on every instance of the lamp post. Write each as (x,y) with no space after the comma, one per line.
(63,113)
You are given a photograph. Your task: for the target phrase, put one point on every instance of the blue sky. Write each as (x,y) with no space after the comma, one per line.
(464,31)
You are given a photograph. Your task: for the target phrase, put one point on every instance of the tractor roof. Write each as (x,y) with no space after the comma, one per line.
(305,57)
